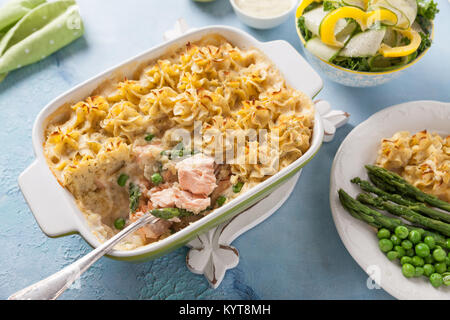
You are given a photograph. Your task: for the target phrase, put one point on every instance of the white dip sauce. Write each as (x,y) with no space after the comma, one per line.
(264,8)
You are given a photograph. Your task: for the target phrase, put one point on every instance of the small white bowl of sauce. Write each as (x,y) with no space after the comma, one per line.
(263,14)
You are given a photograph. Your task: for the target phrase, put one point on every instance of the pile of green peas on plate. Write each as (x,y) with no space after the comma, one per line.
(418,254)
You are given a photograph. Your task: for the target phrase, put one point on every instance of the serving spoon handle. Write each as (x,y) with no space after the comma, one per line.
(53,286)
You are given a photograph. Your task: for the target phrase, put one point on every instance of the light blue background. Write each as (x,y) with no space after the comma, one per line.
(295,254)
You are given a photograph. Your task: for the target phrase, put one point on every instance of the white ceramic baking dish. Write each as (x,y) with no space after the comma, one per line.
(54,207)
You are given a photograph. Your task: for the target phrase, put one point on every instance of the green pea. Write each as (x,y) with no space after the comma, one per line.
(422,250)
(385,245)
(447,243)
(447,261)
(383,233)
(395,240)
(428,269)
(430,242)
(149,137)
(119,223)
(439,254)
(221,200)
(440,267)
(446,278)
(400,250)
(392,255)
(419,272)
(410,252)
(156,178)
(429,259)
(414,236)
(122,180)
(401,232)
(238,186)
(408,270)
(417,261)
(436,280)
(405,259)
(406,244)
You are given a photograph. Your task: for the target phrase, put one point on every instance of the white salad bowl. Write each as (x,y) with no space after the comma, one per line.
(54,207)
(259,22)
(354,78)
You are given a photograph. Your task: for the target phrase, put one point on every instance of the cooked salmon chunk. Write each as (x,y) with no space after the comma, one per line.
(175,197)
(196,174)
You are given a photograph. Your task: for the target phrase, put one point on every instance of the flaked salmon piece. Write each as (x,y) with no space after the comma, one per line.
(173,196)
(196,174)
(163,197)
(191,202)
(146,155)
(151,230)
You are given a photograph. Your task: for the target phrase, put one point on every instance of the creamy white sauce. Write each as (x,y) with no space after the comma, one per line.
(264,8)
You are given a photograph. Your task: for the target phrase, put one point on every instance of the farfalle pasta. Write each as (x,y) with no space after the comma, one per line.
(127,131)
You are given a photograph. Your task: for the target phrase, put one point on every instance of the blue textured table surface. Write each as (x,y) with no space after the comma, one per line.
(295,254)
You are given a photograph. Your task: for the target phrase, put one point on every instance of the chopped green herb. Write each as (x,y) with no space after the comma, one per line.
(119,223)
(156,178)
(134,193)
(122,180)
(149,137)
(237,187)
(221,200)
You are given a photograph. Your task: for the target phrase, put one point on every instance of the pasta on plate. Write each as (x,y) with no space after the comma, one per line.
(120,153)
(423,159)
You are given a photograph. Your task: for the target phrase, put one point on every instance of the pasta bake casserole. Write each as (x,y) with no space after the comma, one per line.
(120,152)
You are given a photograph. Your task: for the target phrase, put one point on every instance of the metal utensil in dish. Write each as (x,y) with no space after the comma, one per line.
(53,286)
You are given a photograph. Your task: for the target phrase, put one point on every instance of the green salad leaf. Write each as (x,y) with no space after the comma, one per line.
(356,64)
(330,5)
(427,9)
(304,31)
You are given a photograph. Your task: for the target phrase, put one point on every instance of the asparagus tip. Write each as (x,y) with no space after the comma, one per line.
(356,180)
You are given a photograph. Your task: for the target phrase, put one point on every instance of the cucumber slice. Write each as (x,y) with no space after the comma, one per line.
(344,35)
(355,3)
(391,37)
(364,44)
(407,7)
(320,49)
(416,27)
(379,63)
(314,18)
(398,7)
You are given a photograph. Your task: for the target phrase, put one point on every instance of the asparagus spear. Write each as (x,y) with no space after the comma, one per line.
(362,211)
(413,205)
(405,212)
(404,188)
(169,213)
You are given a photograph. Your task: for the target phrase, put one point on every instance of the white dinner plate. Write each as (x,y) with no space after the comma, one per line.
(359,148)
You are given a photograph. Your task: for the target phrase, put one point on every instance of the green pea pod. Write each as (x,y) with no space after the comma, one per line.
(14,10)
(42,31)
